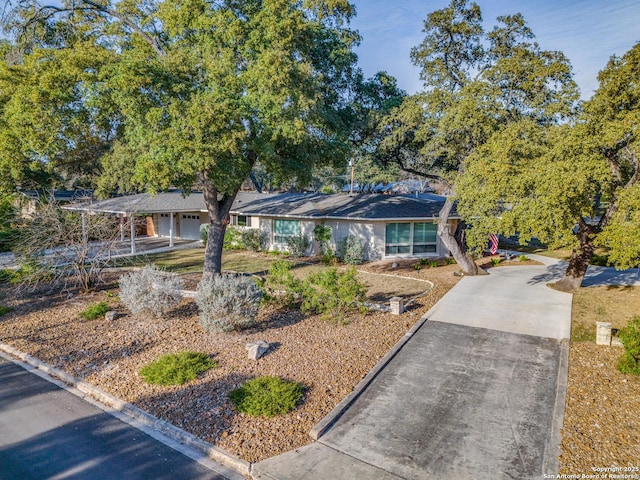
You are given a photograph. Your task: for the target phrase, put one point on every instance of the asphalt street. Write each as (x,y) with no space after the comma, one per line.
(48,433)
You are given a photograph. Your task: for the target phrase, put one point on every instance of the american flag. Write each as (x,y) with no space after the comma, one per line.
(493,243)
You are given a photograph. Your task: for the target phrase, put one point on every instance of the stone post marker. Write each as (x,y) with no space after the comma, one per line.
(397,306)
(603,333)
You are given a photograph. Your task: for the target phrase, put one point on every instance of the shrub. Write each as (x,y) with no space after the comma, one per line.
(450,261)
(4,309)
(280,284)
(267,396)
(495,262)
(333,294)
(417,266)
(95,310)
(228,302)
(630,337)
(233,239)
(298,245)
(523,258)
(350,250)
(176,369)
(424,261)
(253,239)
(433,264)
(150,290)
(204,233)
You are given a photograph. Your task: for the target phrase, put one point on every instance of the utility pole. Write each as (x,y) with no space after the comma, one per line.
(352,163)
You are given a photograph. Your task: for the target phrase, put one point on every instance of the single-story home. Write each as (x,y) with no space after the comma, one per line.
(391,226)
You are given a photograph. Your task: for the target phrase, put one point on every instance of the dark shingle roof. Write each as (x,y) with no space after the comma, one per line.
(293,205)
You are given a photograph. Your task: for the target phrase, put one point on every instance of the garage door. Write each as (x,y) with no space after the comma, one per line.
(190,227)
(164,224)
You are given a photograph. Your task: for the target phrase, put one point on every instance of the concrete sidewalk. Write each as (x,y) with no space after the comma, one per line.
(477,392)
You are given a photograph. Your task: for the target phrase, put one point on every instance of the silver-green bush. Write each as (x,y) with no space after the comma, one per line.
(253,239)
(150,290)
(350,250)
(228,302)
(298,245)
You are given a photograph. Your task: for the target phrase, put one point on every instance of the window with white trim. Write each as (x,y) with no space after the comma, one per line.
(284,229)
(241,220)
(413,238)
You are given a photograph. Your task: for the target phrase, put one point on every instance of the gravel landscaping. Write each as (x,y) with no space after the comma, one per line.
(601,424)
(328,359)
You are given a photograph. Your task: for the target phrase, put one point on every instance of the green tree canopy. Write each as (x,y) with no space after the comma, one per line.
(478,84)
(208,90)
(574,184)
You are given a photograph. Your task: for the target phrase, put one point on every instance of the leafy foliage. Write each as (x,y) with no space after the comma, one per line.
(297,245)
(630,337)
(95,310)
(253,239)
(333,294)
(150,290)
(280,284)
(228,302)
(482,88)
(176,369)
(267,396)
(350,250)
(4,309)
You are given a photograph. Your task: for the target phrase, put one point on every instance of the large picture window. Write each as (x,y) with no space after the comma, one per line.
(410,238)
(284,229)
(424,237)
(398,238)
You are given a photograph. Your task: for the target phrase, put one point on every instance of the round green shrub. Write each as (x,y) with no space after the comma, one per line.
(630,337)
(95,310)
(267,396)
(176,369)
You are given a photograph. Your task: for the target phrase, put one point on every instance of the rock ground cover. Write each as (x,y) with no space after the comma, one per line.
(328,359)
(601,425)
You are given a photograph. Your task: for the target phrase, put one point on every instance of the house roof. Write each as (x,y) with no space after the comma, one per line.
(288,205)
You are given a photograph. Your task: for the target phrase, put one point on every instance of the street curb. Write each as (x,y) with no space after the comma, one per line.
(211,451)
(551,454)
(324,425)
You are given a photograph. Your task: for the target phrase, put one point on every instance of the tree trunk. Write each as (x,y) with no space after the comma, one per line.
(218,209)
(455,244)
(579,261)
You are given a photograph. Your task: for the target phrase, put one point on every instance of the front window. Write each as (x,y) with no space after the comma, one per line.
(411,238)
(241,220)
(424,237)
(284,229)
(398,239)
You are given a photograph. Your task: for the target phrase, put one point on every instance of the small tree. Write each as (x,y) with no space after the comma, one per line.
(150,290)
(228,302)
(66,246)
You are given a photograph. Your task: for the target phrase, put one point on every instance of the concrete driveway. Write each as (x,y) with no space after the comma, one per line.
(477,392)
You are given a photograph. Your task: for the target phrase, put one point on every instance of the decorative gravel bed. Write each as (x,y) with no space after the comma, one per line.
(602,416)
(328,359)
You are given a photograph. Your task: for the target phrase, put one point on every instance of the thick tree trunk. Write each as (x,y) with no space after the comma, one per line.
(218,207)
(455,244)
(579,261)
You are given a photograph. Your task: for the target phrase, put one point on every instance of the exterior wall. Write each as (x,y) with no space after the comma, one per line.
(153,223)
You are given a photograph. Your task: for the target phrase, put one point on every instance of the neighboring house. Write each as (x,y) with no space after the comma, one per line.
(391,226)
(27,200)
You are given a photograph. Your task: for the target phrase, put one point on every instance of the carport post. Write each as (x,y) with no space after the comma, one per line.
(171,220)
(122,228)
(132,224)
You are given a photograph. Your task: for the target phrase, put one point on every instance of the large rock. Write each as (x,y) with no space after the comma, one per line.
(111,315)
(257,349)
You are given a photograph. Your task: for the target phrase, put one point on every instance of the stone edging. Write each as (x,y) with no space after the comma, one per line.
(212,452)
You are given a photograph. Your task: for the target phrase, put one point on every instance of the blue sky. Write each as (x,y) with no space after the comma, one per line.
(587,31)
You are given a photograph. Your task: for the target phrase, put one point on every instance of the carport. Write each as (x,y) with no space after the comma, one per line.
(173,216)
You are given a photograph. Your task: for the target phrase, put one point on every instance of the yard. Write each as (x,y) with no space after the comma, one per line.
(601,425)
(327,358)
